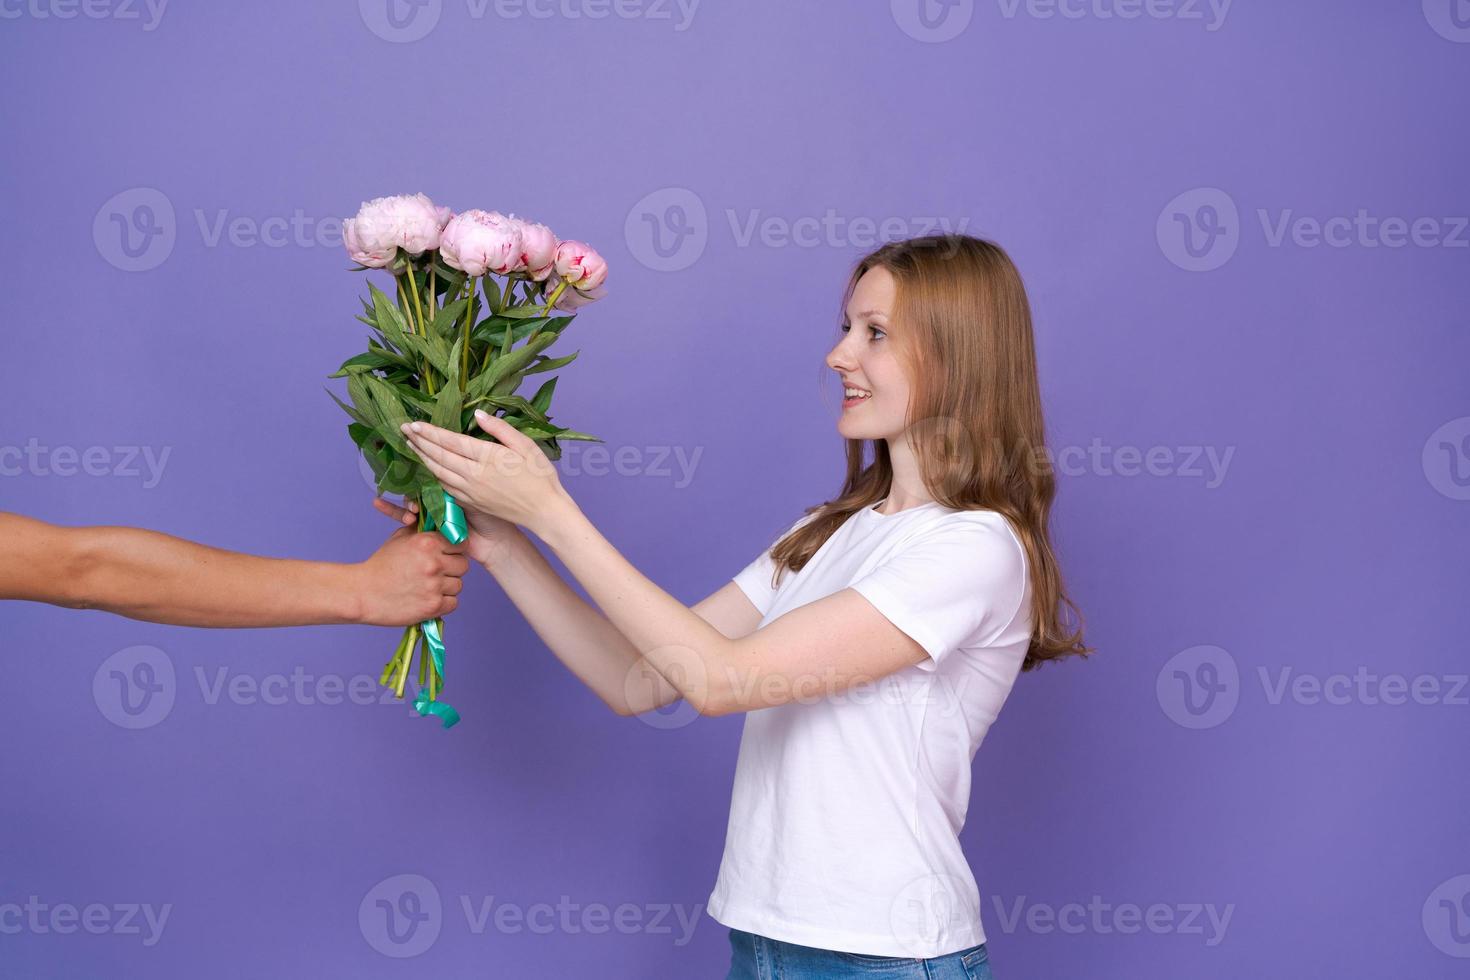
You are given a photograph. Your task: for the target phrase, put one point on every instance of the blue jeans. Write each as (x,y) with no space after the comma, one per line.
(754,957)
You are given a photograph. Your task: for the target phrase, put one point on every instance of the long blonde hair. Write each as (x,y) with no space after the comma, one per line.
(974,414)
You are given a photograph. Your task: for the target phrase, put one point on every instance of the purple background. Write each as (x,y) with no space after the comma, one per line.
(1333,543)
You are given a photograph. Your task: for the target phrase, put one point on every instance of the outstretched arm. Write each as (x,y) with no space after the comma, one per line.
(820,648)
(160,578)
(578,634)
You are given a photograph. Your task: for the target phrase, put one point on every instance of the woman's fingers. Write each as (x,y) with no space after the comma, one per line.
(467,447)
(439,458)
(508,434)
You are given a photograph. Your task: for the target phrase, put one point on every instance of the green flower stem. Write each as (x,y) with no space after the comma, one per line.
(423,675)
(403,302)
(413,634)
(392,666)
(418,308)
(555,295)
(469,310)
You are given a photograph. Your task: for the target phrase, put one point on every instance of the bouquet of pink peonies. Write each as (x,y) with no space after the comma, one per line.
(434,357)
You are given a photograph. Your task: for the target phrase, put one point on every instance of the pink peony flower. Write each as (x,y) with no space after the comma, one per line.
(476,242)
(572,298)
(386,224)
(579,264)
(538,250)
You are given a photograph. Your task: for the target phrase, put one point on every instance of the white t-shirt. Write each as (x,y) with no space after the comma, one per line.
(847,806)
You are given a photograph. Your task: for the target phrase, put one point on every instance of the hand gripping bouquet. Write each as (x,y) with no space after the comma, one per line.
(433,356)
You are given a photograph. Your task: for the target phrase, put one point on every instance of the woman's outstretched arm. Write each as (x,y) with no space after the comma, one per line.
(580,636)
(160,578)
(819,648)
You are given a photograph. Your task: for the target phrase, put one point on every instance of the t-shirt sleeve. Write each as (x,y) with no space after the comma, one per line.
(959,583)
(755,579)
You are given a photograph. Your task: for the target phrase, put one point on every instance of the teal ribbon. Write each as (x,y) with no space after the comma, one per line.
(438,709)
(455,530)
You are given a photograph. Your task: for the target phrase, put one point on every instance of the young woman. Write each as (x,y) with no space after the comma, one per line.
(880,635)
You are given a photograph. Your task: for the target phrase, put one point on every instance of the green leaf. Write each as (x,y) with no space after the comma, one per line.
(541,401)
(447,408)
(389,319)
(393,357)
(434,350)
(432,498)
(362,362)
(447,321)
(352,412)
(455,359)
(359,433)
(492,329)
(444,273)
(522,312)
(516,403)
(551,363)
(391,413)
(581,436)
(400,477)
(508,365)
(492,290)
(362,399)
(412,398)
(543,430)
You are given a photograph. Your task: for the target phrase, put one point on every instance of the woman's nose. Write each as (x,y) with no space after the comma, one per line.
(837,358)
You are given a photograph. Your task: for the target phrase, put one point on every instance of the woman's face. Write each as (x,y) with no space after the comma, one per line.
(865,359)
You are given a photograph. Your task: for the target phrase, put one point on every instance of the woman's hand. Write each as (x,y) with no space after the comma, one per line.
(512,480)
(490,538)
